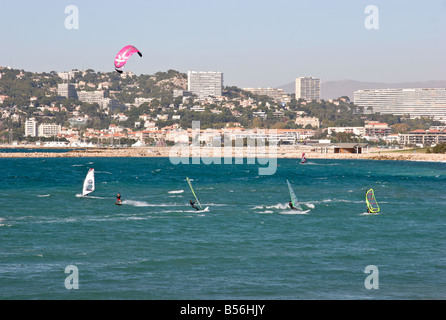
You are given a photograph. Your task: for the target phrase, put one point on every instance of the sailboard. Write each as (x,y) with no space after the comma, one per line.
(304,159)
(193,192)
(294,200)
(88,183)
(372,205)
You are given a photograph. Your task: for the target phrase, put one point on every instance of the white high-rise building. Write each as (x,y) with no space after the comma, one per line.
(31,127)
(205,83)
(308,88)
(415,102)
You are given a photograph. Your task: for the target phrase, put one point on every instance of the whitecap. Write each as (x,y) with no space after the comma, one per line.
(294,212)
(369,214)
(176,191)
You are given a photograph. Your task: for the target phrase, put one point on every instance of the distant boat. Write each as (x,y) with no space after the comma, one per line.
(303,159)
(372,205)
(88,183)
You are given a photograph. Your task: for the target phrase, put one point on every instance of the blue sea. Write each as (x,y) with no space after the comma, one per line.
(247,245)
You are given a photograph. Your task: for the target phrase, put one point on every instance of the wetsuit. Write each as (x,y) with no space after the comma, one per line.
(291,206)
(192,204)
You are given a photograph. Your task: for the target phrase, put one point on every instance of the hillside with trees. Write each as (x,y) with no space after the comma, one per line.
(27,94)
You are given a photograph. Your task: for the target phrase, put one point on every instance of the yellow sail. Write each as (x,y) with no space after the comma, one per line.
(371,201)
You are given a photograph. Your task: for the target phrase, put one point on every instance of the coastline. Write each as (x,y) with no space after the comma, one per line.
(283,152)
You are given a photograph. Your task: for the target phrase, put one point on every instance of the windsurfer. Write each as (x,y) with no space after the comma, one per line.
(192,204)
(291,206)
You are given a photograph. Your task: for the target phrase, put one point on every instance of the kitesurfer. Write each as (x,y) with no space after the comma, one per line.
(118,198)
(192,204)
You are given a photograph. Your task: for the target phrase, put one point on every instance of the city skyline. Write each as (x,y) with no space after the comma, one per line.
(254,43)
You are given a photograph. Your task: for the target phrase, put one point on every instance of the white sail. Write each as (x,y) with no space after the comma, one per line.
(88,183)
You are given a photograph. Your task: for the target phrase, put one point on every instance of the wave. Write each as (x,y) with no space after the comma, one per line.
(369,214)
(337,200)
(137,203)
(91,197)
(285,206)
(278,206)
(321,164)
(294,212)
(43,195)
(176,191)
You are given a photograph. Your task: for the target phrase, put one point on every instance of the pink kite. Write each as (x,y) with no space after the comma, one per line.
(123,55)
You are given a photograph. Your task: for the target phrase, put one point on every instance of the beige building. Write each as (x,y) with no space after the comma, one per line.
(377,129)
(424,137)
(92,97)
(277,94)
(304,121)
(49,129)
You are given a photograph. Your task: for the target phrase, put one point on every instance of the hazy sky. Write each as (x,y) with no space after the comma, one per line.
(255,43)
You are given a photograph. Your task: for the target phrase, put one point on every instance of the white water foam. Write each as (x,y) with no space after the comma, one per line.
(176,191)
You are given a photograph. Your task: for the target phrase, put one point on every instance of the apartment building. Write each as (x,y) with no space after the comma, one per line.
(416,102)
(308,88)
(205,83)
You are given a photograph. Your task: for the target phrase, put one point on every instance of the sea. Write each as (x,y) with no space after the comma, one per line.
(247,245)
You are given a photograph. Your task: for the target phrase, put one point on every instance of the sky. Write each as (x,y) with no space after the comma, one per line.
(255,43)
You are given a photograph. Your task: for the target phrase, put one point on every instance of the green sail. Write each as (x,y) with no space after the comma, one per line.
(294,200)
(192,189)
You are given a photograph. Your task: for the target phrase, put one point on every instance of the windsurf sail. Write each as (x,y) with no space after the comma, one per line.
(304,159)
(372,205)
(192,189)
(294,200)
(88,182)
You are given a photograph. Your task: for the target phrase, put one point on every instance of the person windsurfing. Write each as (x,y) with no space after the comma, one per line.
(118,198)
(291,206)
(192,203)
